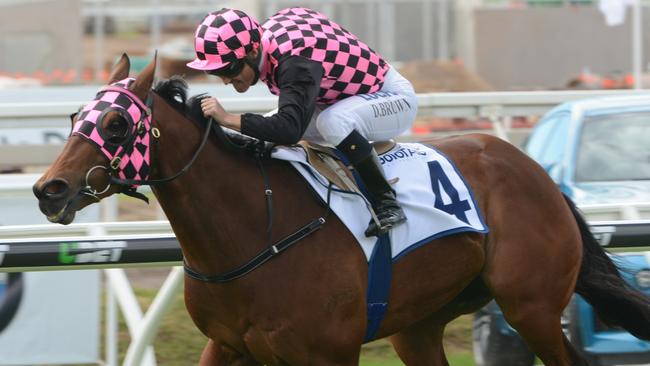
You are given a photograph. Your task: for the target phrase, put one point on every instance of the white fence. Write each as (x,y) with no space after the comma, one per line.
(499,107)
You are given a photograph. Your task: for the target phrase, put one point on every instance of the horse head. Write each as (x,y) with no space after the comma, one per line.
(109,139)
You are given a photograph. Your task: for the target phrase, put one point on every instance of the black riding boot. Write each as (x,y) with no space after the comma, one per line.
(365,161)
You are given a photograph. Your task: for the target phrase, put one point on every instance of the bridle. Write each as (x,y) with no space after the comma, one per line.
(129,154)
(88,189)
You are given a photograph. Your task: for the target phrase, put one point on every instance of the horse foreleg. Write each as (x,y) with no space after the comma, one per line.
(216,355)
(421,344)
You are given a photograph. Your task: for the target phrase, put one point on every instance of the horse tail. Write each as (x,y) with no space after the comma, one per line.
(600,283)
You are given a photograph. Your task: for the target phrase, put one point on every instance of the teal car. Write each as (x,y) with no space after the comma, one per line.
(598,153)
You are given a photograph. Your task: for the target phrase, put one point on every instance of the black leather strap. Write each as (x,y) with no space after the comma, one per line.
(132,192)
(260,258)
(268,194)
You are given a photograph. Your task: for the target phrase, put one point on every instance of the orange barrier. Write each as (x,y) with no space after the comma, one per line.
(59,76)
(594,81)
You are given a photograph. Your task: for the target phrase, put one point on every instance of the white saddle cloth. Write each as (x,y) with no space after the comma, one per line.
(422,171)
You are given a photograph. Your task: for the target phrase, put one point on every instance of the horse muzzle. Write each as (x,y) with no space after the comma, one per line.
(57,201)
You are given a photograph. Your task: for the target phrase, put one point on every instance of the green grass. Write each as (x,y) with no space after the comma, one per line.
(380,353)
(179,343)
(458,359)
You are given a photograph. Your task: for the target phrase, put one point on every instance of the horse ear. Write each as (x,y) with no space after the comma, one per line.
(120,70)
(144,81)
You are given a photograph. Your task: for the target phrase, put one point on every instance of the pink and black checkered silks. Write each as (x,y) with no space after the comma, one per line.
(135,160)
(350,66)
(224,36)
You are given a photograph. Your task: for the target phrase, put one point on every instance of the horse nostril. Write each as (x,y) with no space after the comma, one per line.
(37,191)
(53,188)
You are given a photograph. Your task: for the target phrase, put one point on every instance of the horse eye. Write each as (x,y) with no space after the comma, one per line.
(117,127)
(116,124)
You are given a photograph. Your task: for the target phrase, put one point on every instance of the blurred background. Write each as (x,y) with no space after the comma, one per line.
(495,66)
(62,50)
(444,45)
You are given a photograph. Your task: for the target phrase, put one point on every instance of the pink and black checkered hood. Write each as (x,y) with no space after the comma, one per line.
(222,37)
(350,66)
(134,155)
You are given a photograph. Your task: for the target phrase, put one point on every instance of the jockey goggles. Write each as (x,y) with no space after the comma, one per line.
(229,71)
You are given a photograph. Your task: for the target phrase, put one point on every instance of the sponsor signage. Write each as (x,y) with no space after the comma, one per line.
(622,234)
(86,252)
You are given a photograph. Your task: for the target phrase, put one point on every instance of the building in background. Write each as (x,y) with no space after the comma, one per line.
(508,44)
(40,38)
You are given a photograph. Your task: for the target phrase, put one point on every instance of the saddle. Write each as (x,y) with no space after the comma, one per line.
(325,160)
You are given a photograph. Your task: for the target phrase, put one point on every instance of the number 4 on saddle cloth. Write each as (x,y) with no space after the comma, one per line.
(433,194)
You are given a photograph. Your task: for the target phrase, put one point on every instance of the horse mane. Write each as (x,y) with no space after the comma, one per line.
(174,91)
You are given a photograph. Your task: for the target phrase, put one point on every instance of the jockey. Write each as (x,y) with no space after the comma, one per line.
(333,89)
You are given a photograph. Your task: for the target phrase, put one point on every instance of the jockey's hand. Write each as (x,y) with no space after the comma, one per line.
(212,108)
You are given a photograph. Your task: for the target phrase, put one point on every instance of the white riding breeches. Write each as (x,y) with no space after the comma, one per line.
(378,116)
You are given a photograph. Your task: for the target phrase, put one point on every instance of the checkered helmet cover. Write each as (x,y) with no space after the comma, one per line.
(224,36)
(134,151)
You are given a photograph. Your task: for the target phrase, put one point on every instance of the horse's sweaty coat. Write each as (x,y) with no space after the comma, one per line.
(432,193)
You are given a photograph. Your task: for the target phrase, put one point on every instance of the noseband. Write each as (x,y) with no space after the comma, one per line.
(129,154)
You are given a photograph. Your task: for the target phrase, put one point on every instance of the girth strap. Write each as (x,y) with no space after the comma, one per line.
(379,280)
(259,259)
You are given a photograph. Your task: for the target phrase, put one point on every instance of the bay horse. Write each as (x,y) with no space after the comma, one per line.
(308,305)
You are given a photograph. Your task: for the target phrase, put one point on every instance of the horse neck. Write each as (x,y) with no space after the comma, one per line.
(211,207)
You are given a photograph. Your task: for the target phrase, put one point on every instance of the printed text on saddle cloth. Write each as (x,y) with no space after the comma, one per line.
(433,194)
(447,198)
